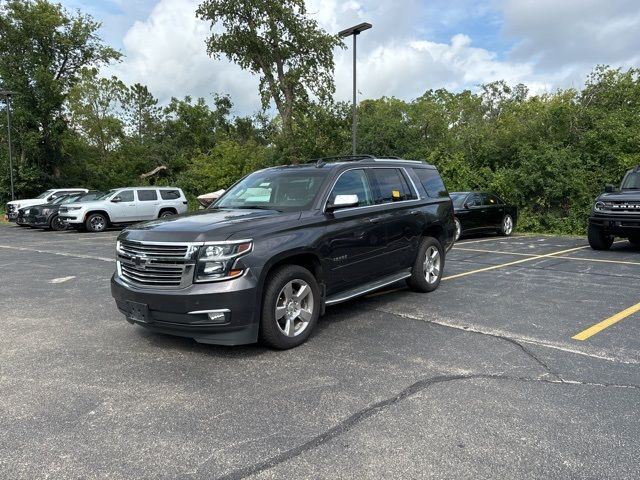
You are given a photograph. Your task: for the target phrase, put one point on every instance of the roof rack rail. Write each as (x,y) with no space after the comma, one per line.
(344,158)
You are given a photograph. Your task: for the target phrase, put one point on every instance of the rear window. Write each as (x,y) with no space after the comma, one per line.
(147,195)
(169,194)
(431,182)
(390,185)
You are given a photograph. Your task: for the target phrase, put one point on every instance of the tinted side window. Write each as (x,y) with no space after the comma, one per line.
(390,184)
(493,200)
(147,195)
(126,196)
(431,182)
(353,182)
(169,194)
(474,200)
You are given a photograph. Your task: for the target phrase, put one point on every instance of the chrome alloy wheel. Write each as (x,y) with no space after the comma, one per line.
(432,264)
(294,307)
(458,229)
(97,223)
(507,225)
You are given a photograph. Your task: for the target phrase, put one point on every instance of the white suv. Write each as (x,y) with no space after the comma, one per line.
(123,206)
(44,197)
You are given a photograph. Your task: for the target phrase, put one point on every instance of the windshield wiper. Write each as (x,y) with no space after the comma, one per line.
(255,207)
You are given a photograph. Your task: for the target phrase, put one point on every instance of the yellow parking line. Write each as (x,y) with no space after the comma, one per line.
(598,327)
(579,259)
(517,262)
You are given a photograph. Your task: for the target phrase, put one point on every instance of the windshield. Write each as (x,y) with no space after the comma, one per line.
(45,194)
(105,195)
(89,197)
(282,190)
(58,200)
(458,199)
(631,181)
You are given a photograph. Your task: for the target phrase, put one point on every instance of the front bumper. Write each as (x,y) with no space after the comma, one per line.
(72,218)
(36,221)
(619,225)
(168,311)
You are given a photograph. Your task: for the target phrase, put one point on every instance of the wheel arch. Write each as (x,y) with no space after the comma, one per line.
(102,212)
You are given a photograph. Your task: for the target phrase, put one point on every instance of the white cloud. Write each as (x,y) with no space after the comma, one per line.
(554,44)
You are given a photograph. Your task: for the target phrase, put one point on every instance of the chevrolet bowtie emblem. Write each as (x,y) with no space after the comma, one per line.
(139,261)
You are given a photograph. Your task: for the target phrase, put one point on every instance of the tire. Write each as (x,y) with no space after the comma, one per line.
(96,222)
(634,241)
(167,213)
(287,319)
(56,224)
(506,227)
(458,233)
(428,267)
(597,238)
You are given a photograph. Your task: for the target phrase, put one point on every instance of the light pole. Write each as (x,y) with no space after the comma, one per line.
(7,98)
(355,31)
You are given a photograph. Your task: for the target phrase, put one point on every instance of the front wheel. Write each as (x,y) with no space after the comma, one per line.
(506,227)
(290,308)
(597,238)
(56,224)
(96,222)
(428,267)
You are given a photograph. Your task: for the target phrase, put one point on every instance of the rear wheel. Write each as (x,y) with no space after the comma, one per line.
(458,233)
(428,267)
(290,308)
(598,239)
(96,222)
(506,227)
(56,224)
(167,213)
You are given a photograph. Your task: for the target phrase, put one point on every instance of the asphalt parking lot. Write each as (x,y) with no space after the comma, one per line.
(480,379)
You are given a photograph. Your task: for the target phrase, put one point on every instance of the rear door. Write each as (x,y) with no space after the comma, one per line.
(475,217)
(399,215)
(495,210)
(147,206)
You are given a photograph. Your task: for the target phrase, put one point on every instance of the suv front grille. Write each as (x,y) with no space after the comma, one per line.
(154,250)
(621,207)
(11,208)
(155,265)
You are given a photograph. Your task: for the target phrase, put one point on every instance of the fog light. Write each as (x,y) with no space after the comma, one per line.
(217,317)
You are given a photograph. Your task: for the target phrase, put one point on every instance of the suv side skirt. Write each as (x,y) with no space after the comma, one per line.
(368,287)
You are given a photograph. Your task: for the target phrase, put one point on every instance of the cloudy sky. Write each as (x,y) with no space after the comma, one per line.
(414,44)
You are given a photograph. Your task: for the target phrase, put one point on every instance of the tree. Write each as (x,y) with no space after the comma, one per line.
(142,112)
(42,50)
(277,41)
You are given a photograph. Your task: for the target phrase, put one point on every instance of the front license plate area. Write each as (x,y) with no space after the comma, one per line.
(138,312)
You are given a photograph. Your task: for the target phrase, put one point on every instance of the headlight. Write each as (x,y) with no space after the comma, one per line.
(46,211)
(216,261)
(599,206)
(74,208)
(26,212)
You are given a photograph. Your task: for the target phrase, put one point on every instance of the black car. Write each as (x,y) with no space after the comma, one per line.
(21,216)
(264,260)
(617,213)
(478,212)
(46,216)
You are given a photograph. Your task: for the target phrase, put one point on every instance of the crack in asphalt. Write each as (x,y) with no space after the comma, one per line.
(369,411)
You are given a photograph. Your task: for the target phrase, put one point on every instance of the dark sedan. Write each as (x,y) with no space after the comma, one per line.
(478,212)
(46,216)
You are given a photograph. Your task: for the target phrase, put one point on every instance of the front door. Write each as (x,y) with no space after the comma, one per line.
(354,244)
(124,210)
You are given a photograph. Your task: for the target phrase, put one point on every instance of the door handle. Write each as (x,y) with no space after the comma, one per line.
(414,212)
(375,219)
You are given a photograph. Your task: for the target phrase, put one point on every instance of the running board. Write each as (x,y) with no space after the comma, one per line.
(369,287)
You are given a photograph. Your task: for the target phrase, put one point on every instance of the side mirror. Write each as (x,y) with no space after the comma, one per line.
(609,188)
(116,199)
(343,201)
(466,206)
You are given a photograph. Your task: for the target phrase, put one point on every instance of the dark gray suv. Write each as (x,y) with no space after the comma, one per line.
(264,261)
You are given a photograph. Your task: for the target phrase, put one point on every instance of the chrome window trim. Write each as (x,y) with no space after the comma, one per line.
(363,167)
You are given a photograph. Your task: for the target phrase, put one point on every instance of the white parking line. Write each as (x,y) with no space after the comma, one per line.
(62,279)
(62,254)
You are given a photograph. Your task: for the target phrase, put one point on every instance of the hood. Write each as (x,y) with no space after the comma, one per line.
(206,225)
(620,196)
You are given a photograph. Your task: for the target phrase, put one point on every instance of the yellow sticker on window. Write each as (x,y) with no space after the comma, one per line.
(395,194)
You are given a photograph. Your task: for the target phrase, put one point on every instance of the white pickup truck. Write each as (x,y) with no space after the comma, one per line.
(123,206)
(45,197)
